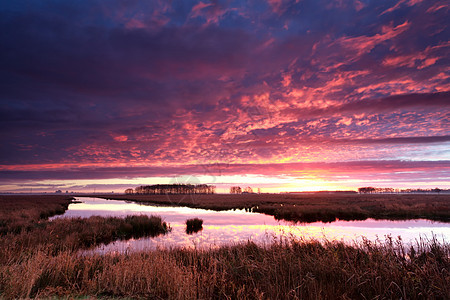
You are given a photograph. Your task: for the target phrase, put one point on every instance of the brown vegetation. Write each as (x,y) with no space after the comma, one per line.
(194,225)
(25,227)
(19,212)
(42,260)
(76,233)
(316,207)
(285,270)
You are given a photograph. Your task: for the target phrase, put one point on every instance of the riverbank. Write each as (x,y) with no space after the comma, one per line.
(43,259)
(288,269)
(25,226)
(23,212)
(313,207)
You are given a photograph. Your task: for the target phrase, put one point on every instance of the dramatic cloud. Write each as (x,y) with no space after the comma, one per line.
(90,90)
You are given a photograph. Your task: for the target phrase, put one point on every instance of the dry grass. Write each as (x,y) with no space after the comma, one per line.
(25,226)
(22,212)
(315,207)
(194,225)
(77,233)
(285,270)
(42,260)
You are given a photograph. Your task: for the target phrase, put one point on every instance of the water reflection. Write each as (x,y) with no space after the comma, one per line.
(227,227)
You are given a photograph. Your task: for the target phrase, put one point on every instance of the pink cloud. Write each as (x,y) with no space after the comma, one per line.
(196,9)
(400,3)
(418,60)
(121,138)
(278,6)
(437,7)
(358,5)
(364,44)
(387,172)
(212,12)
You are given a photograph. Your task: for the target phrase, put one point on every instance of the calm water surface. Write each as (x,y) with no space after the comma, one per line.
(227,227)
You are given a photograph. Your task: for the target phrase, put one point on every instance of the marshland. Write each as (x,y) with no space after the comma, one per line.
(225,149)
(44,254)
(311,207)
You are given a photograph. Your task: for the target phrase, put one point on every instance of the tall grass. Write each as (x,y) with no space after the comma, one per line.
(23,212)
(288,269)
(316,207)
(77,233)
(40,258)
(194,225)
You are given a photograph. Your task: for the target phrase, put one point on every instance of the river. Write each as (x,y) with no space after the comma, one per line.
(234,226)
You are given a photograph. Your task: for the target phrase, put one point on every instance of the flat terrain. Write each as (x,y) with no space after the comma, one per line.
(24,224)
(18,212)
(314,207)
(284,270)
(41,259)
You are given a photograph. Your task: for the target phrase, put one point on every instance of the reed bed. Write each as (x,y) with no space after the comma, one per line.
(194,225)
(315,207)
(287,269)
(79,233)
(41,258)
(23,212)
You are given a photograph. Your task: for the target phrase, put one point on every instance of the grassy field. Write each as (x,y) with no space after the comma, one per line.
(25,226)
(40,259)
(19,212)
(285,270)
(315,207)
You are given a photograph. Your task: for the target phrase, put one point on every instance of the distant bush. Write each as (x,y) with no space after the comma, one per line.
(143,226)
(194,225)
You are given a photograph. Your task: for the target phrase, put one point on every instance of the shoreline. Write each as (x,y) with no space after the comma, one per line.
(308,208)
(41,260)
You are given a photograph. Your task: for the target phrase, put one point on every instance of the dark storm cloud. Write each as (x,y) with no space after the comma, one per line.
(388,104)
(396,102)
(361,168)
(401,140)
(189,82)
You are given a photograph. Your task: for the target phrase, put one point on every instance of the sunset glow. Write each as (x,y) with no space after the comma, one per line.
(283,96)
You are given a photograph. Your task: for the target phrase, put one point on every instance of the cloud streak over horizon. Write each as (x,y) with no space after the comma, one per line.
(119,90)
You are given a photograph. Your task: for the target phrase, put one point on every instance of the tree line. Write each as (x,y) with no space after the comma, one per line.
(239,190)
(375,190)
(163,189)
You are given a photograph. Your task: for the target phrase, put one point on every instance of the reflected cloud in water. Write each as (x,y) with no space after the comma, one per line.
(234,226)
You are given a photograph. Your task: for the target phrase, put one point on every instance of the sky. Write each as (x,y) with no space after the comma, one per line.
(279,95)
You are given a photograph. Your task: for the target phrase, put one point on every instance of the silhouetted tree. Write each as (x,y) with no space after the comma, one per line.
(248,190)
(366,190)
(235,190)
(161,189)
